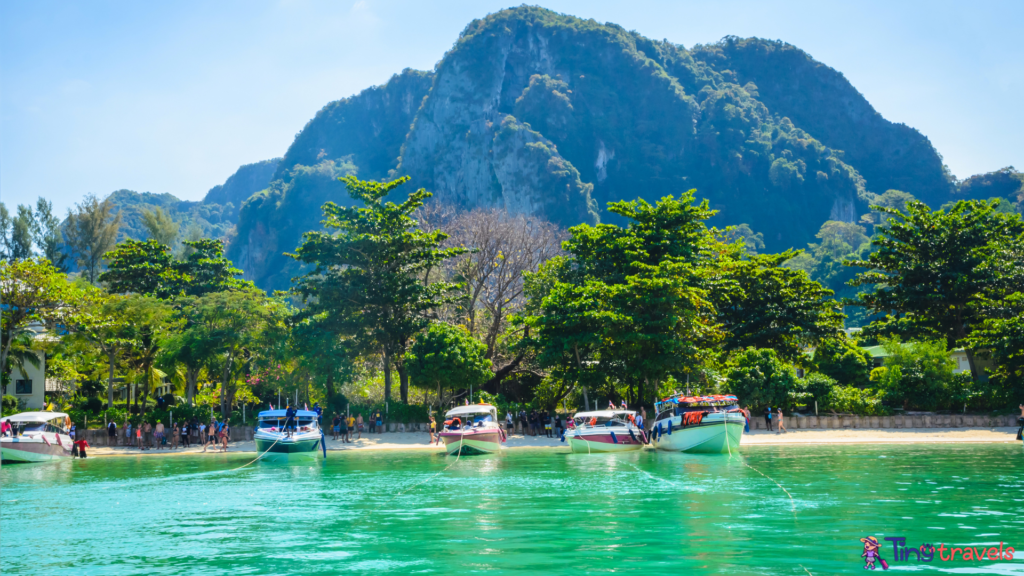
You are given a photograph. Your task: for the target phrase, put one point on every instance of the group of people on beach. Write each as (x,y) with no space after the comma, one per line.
(155,436)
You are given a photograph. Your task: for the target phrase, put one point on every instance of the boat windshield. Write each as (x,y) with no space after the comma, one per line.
(479,420)
(304,424)
(34,427)
(600,421)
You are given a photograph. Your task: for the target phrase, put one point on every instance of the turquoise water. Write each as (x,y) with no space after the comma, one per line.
(525,511)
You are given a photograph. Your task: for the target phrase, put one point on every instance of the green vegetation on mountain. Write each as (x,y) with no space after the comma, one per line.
(547,114)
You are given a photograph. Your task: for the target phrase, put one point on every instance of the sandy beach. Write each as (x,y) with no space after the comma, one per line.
(418,441)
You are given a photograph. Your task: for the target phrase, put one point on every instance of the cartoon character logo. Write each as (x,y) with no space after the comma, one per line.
(870,554)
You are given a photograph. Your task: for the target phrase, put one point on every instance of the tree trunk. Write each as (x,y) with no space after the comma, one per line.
(110,379)
(191,379)
(329,385)
(387,375)
(403,379)
(224,386)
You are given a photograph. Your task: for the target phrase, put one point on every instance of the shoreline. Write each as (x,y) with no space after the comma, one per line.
(802,437)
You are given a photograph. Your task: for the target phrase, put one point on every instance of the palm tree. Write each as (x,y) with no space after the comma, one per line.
(21,354)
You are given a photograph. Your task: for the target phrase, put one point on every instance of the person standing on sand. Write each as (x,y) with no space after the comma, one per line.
(184,434)
(335,426)
(433,430)
(174,436)
(350,423)
(225,434)
(343,430)
(111,434)
(158,434)
(768,417)
(147,435)
(138,437)
(127,432)
(782,427)
(379,422)
(202,434)
(359,425)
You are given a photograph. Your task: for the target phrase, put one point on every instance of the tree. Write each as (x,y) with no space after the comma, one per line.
(937,274)
(34,292)
(145,324)
(232,325)
(160,226)
(447,357)
(759,378)
(141,268)
(149,268)
(630,301)
(105,327)
(21,233)
(91,231)
(503,247)
(842,360)
(1002,340)
(774,307)
(46,230)
(917,373)
(369,279)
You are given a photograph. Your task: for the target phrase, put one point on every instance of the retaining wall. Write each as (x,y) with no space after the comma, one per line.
(823,422)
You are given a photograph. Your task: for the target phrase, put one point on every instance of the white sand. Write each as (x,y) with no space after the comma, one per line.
(418,441)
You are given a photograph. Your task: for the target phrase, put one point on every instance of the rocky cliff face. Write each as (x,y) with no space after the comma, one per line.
(548,114)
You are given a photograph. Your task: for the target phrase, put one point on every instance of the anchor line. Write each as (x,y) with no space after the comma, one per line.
(390,500)
(264,453)
(791,501)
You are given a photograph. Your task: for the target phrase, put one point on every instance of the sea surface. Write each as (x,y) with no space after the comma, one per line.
(763,510)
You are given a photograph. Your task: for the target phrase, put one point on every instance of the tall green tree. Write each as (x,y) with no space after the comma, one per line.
(233,325)
(446,357)
(150,268)
(35,292)
(631,301)
(759,378)
(937,274)
(160,226)
(91,231)
(46,231)
(774,306)
(369,278)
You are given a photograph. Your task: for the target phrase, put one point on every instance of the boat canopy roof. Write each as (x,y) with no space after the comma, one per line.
(283,413)
(35,416)
(714,400)
(470,410)
(606,414)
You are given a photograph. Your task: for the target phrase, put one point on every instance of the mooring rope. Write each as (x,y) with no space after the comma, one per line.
(410,488)
(264,453)
(791,501)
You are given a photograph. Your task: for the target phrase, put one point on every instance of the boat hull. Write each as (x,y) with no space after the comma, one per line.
(603,442)
(471,442)
(716,434)
(34,449)
(289,449)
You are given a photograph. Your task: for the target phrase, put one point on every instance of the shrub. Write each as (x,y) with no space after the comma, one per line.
(917,374)
(94,404)
(759,378)
(10,404)
(843,361)
(819,386)
(852,400)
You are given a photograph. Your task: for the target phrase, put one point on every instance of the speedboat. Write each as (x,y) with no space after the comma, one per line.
(708,424)
(604,431)
(472,429)
(274,442)
(37,437)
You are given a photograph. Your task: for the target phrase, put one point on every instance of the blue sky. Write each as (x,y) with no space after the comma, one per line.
(174,96)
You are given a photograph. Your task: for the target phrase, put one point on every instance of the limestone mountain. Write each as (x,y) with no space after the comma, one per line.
(554,115)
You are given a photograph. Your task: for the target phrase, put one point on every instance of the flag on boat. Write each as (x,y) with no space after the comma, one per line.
(271,406)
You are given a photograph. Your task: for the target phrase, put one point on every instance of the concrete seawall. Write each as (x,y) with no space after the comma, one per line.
(823,422)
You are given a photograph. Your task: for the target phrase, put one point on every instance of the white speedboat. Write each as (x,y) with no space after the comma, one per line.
(472,429)
(36,437)
(709,424)
(277,440)
(604,431)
